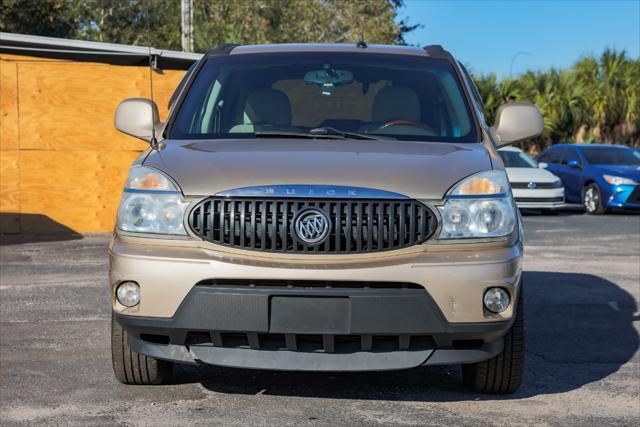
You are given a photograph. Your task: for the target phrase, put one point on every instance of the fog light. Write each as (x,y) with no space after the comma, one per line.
(496,300)
(128,294)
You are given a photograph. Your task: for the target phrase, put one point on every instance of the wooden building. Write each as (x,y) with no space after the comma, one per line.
(62,163)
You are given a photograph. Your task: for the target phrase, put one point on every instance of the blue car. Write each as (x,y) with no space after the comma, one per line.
(599,177)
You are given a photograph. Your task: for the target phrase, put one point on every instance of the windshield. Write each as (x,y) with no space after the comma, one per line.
(517,159)
(612,156)
(382,96)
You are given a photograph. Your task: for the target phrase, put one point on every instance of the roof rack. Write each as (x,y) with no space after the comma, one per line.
(437,51)
(221,50)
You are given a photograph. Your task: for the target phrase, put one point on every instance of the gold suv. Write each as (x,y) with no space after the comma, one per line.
(324,208)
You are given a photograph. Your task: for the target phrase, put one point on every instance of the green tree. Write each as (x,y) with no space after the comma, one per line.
(53,18)
(597,99)
(231,21)
(298,21)
(135,22)
(113,21)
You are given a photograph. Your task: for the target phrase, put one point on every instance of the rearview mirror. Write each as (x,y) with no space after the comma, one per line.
(516,122)
(136,117)
(543,165)
(328,77)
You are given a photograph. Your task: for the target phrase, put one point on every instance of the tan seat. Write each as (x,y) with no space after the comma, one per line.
(396,103)
(265,107)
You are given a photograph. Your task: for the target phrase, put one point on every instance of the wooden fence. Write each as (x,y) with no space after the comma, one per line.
(62,163)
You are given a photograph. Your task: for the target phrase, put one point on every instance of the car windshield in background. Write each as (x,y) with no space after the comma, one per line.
(325,95)
(517,159)
(612,156)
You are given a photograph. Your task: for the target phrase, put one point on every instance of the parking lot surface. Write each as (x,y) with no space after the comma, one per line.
(582,285)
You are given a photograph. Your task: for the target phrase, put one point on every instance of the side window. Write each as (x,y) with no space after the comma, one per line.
(555,155)
(569,155)
(457,111)
(474,89)
(174,95)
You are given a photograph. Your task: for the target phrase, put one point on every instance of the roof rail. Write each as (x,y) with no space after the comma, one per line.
(437,51)
(221,50)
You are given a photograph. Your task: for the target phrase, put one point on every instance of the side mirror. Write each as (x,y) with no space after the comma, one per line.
(516,122)
(574,164)
(136,117)
(543,165)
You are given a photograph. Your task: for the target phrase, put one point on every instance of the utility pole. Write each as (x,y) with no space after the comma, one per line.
(187,25)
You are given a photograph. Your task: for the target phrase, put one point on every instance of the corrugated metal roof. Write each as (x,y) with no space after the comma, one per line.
(80,50)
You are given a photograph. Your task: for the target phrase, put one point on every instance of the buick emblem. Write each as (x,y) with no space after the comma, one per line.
(311,226)
(531,185)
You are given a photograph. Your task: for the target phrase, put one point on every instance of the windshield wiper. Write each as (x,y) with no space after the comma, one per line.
(292,134)
(316,133)
(328,130)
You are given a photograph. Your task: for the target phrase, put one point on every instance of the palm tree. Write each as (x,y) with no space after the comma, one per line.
(595,99)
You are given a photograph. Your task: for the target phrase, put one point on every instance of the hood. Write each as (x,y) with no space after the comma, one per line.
(631,172)
(416,169)
(530,175)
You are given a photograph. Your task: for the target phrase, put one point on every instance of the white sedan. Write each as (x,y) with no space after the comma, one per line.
(533,187)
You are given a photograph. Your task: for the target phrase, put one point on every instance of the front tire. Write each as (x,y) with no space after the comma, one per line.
(592,200)
(130,367)
(502,374)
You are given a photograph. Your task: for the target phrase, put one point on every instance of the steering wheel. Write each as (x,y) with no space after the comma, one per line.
(402,122)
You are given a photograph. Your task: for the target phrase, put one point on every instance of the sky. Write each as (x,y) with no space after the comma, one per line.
(488,35)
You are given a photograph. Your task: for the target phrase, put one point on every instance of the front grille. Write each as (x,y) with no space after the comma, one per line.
(539,185)
(539,199)
(355,226)
(634,197)
(309,343)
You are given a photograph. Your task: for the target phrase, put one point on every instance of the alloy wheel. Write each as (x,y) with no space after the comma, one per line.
(591,199)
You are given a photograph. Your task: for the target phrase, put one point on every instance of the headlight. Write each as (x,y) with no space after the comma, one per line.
(618,180)
(556,184)
(479,206)
(151,203)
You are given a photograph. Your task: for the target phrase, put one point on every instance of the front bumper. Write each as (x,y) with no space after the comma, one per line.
(624,196)
(370,313)
(552,198)
(311,328)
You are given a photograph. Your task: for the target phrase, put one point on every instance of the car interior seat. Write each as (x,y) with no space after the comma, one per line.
(265,107)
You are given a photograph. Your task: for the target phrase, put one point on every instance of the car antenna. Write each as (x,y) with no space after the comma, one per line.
(361,43)
(154,140)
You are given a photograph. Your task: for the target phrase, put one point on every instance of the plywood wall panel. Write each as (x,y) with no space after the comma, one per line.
(8,106)
(70,106)
(9,192)
(61,157)
(78,189)
(9,181)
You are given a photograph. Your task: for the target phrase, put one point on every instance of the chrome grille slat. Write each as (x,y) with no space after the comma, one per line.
(357,226)
(538,185)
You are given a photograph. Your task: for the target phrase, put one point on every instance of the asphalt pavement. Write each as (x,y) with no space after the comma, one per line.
(582,281)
